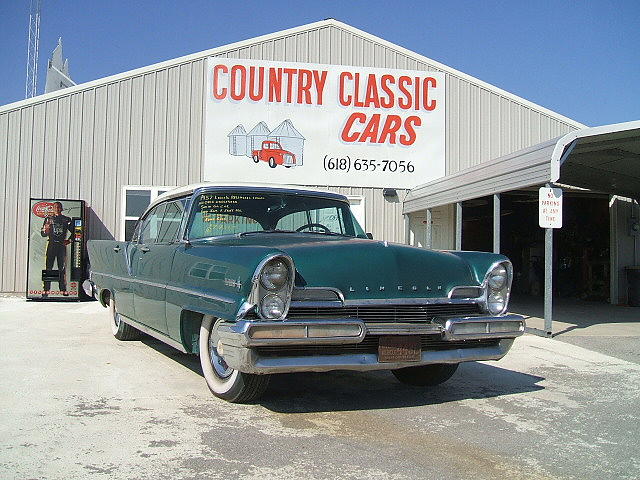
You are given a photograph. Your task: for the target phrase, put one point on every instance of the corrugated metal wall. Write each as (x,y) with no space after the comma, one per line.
(146,129)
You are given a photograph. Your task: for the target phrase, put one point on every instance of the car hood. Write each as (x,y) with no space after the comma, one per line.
(363,268)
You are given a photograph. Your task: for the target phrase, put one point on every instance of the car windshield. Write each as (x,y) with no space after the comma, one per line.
(229,213)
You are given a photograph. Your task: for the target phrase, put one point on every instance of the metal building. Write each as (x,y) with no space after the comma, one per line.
(119,141)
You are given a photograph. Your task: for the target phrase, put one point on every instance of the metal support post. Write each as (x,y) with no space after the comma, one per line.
(458,225)
(548,281)
(407,230)
(496,223)
(429,233)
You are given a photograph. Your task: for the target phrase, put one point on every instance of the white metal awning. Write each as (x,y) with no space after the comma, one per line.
(604,159)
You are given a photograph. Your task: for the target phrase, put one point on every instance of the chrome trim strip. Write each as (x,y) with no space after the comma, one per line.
(201,294)
(244,309)
(450,323)
(338,293)
(409,301)
(404,329)
(237,334)
(153,333)
(168,287)
(316,304)
(477,287)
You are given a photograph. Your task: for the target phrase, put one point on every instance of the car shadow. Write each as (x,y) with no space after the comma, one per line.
(344,390)
(347,390)
(187,360)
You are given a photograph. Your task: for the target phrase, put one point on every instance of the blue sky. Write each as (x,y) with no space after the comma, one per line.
(577,58)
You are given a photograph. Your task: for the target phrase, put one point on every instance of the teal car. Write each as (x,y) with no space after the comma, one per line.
(260,280)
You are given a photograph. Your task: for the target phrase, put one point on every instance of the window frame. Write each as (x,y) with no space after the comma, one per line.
(177,234)
(155,193)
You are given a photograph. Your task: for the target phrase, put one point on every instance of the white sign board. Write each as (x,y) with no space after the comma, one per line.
(316,124)
(550,207)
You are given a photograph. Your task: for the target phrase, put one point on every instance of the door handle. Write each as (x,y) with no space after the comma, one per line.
(116,249)
(144,249)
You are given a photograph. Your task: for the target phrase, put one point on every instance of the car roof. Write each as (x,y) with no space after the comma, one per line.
(244,186)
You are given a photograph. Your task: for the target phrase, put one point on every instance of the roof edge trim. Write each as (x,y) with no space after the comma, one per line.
(564,143)
(291,31)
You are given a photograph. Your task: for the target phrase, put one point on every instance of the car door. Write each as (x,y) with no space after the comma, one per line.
(149,272)
(156,249)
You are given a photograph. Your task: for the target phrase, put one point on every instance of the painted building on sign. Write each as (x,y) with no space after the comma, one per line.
(254,138)
(389,128)
(290,139)
(238,141)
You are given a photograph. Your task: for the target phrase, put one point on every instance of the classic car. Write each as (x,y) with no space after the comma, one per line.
(259,280)
(273,153)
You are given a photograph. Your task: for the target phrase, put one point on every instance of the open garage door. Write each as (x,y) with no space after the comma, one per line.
(602,162)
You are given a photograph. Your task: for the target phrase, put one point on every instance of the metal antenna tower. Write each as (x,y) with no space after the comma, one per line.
(31,84)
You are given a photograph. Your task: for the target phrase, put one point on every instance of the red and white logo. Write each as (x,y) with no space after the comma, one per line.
(43,209)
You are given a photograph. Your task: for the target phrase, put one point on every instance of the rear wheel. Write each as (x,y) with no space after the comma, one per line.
(120,329)
(426,375)
(223,381)
(272,162)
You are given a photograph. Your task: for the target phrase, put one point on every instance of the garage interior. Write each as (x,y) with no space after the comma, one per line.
(581,251)
(591,266)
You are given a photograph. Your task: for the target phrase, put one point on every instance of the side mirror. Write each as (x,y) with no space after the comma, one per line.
(369,236)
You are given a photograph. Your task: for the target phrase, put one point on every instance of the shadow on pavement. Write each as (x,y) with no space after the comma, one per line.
(347,390)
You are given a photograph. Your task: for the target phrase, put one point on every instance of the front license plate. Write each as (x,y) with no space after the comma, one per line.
(399,348)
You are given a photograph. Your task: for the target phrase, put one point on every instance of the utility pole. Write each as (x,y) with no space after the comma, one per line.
(31,84)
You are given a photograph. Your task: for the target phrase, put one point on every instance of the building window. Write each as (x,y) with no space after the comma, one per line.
(135,200)
(356,203)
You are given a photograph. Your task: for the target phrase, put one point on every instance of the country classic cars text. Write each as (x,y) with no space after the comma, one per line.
(390,101)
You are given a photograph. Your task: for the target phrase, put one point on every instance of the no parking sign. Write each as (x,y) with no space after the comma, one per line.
(550,207)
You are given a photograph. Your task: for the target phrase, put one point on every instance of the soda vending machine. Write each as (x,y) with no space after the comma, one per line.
(57,253)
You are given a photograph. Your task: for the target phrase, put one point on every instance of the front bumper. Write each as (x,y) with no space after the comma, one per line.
(240,342)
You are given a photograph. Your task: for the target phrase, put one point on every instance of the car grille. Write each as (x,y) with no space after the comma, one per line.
(368,345)
(385,313)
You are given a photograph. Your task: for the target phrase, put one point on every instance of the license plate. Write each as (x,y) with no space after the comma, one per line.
(399,348)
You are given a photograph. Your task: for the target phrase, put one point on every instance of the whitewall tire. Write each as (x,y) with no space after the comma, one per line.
(223,381)
(120,329)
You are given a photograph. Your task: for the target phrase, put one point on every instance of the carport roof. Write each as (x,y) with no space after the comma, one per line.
(604,159)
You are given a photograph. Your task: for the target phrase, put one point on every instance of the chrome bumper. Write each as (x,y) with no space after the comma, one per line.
(238,341)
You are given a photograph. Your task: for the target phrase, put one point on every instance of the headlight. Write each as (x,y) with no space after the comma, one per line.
(272,287)
(498,278)
(272,306)
(274,275)
(498,285)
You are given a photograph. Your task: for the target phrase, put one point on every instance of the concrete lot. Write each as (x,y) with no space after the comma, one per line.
(76,403)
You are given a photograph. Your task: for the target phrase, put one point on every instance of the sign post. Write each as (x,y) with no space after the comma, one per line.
(549,217)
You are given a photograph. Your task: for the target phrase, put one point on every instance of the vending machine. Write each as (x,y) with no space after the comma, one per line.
(57,253)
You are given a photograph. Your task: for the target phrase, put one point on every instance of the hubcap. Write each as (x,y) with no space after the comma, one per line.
(217,362)
(116,318)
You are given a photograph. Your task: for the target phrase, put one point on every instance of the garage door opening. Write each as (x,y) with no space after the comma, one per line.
(581,259)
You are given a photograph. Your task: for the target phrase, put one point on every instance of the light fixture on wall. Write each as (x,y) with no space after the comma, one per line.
(389,193)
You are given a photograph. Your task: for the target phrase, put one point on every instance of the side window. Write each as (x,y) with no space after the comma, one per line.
(150,227)
(330,217)
(171,221)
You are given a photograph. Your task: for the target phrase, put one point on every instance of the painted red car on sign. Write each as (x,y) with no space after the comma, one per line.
(273,153)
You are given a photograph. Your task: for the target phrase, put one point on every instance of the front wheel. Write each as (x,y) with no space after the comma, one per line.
(426,375)
(272,162)
(223,381)
(121,330)
(256,159)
